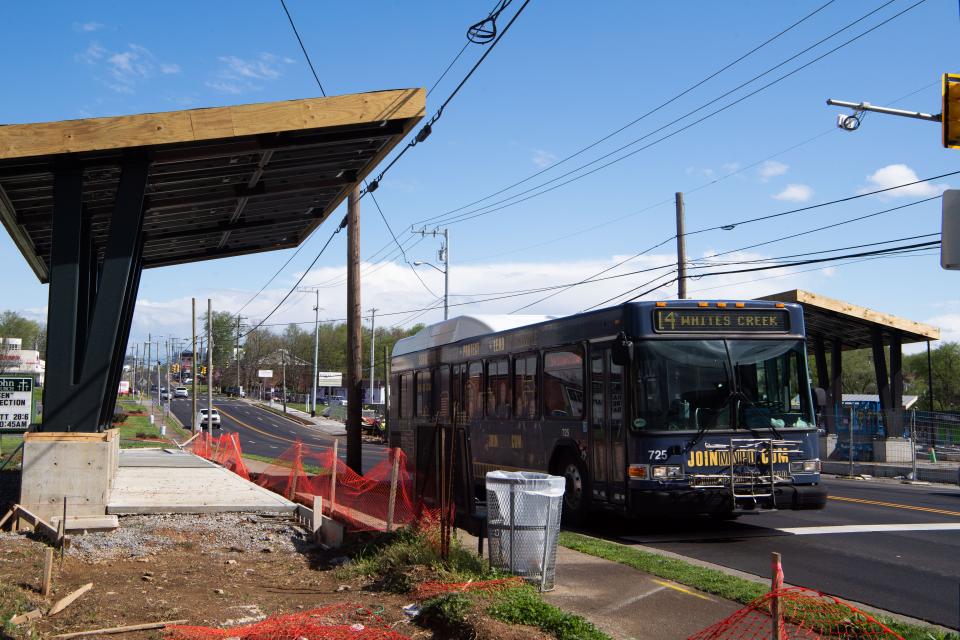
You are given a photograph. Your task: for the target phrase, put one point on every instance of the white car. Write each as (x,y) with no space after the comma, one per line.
(214,420)
(337,401)
(181,392)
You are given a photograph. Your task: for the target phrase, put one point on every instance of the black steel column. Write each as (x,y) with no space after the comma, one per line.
(929,376)
(883,380)
(82,395)
(823,379)
(836,378)
(896,385)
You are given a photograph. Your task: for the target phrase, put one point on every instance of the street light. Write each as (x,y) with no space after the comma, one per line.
(446,282)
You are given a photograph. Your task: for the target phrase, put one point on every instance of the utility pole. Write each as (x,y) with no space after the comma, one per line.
(283,366)
(444,256)
(136,356)
(373,336)
(210,365)
(193,362)
(237,354)
(681,251)
(316,348)
(354,393)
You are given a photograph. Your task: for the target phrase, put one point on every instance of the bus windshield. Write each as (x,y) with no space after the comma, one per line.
(692,385)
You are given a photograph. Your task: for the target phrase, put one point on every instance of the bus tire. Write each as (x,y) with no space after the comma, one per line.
(576,497)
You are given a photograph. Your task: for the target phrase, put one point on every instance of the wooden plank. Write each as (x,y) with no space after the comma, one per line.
(69,599)
(919,330)
(72,436)
(47,580)
(123,629)
(193,125)
(26,617)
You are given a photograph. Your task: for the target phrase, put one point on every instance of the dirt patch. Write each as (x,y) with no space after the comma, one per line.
(212,570)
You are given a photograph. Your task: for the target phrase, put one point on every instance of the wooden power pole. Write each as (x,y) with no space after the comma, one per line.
(354,364)
(681,251)
(194,368)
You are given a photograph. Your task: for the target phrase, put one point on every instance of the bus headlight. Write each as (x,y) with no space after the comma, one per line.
(805,466)
(667,471)
(639,471)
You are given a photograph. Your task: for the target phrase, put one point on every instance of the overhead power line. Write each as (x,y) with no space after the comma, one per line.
(303,48)
(643,116)
(505,203)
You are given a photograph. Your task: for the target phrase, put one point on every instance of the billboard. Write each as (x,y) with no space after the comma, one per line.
(264,373)
(16,403)
(329,379)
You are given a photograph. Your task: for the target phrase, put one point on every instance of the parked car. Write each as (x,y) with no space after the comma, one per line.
(181,392)
(164,394)
(188,381)
(337,401)
(204,423)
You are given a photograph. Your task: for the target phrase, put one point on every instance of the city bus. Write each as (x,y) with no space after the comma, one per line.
(677,407)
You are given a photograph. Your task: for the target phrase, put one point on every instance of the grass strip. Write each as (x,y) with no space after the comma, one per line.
(523,605)
(711,580)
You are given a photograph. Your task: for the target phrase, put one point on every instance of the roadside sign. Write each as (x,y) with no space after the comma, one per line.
(16,403)
(264,373)
(950,230)
(329,379)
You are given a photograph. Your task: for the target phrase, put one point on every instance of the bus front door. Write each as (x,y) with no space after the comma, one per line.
(607,438)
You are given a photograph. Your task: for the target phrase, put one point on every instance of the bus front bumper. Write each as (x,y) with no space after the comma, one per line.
(687,501)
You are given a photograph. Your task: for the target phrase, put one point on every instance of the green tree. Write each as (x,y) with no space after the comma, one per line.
(224,331)
(945,361)
(32,333)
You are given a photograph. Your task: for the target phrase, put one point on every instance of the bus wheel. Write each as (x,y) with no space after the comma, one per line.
(575,497)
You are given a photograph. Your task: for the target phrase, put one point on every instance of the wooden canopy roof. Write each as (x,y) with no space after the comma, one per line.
(223,181)
(851,323)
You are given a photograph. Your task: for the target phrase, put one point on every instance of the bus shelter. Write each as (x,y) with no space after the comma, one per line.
(91,203)
(837,326)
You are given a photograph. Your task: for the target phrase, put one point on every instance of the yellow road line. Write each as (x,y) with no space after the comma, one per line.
(252,428)
(676,587)
(896,505)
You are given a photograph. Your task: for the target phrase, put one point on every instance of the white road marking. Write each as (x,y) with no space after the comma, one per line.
(871,528)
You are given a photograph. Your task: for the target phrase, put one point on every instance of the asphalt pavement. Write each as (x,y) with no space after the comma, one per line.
(878,542)
(265,433)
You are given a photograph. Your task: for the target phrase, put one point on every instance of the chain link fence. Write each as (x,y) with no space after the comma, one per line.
(907,444)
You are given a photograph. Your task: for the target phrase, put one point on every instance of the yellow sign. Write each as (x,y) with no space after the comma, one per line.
(950,112)
(722,458)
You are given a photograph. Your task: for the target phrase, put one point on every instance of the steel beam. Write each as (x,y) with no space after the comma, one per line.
(896,385)
(883,380)
(87,337)
(836,377)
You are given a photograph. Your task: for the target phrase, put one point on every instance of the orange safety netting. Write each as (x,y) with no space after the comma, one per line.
(224,450)
(365,502)
(326,623)
(804,614)
(428,590)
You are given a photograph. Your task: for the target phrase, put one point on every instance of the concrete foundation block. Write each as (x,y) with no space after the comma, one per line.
(892,450)
(80,467)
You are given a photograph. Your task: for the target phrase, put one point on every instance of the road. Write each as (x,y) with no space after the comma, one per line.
(897,546)
(265,433)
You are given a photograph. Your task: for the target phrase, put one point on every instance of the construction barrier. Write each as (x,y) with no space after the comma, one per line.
(797,613)
(333,622)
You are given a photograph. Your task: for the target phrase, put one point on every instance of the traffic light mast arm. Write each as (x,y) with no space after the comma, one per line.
(866,106)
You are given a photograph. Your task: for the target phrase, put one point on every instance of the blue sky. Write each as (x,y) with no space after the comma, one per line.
(567,74)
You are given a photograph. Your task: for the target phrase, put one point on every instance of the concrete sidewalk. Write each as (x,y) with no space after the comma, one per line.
(625,603)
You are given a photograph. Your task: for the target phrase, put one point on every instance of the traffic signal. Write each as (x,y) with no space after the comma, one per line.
(203,370)
(950,113)
(176,368)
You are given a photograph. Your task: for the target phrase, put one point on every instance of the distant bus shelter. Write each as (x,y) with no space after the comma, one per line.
(91,203)
(839,326)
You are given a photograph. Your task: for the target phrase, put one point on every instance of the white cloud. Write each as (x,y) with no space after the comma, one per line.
(772,168)
(794,193)
(88,26)
(125,70)
(893,175)
(237,75)
(730,167)
(543,159)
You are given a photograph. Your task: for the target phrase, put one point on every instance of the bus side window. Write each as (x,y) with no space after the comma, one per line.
(498,388)
(406,395)
(563,383)
(525,386)
(456,389)
(395,396)
(444,408)
(424,391)
(474,391)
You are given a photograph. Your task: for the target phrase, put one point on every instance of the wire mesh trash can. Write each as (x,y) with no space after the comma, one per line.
(523,523)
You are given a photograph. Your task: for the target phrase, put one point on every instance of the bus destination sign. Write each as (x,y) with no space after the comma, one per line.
(720,320)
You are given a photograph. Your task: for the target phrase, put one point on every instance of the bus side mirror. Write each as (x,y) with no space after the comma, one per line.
(622,351)
(820,397)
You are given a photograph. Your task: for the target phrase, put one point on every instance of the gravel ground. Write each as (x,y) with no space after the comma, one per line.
(141,536)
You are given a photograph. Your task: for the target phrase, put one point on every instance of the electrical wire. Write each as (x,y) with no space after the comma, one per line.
(493,207)
(303,48)
(637,119)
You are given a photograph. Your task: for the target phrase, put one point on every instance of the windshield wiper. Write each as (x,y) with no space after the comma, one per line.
(740,395)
